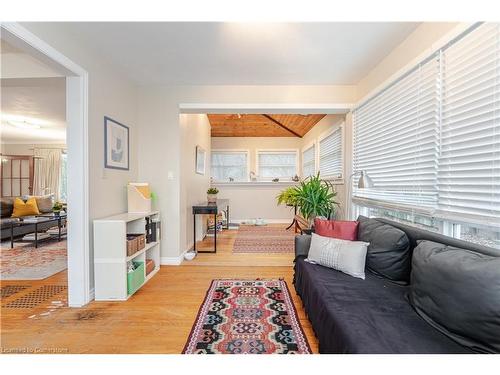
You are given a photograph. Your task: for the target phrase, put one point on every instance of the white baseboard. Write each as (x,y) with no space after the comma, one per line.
(269,221)
(172,261)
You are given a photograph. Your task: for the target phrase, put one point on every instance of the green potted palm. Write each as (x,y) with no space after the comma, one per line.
(312,196)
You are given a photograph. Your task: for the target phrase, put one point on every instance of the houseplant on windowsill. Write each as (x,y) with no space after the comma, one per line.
(313,197)
(212,195)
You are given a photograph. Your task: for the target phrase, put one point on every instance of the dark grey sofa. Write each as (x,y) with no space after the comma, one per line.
(19,231)
(351,315)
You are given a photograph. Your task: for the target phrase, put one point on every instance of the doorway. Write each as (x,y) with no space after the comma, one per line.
(75,89)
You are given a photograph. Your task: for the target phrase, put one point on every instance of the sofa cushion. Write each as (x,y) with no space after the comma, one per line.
(7,206)
(344,230)
(345,256)
(458,292)
(389,251)
(369,316)
(27,208)
(43,202)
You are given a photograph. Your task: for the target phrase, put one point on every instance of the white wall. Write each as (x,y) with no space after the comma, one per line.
(160,136)
(195,131)
(110,94)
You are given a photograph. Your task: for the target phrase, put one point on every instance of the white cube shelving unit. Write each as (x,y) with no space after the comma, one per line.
(110,253)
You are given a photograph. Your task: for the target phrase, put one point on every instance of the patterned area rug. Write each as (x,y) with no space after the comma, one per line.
(263,239)
(25,262)
(247,317)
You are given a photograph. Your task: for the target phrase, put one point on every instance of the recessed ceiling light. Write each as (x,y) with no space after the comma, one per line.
(24,125)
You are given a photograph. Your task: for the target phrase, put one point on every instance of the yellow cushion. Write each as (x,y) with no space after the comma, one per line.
(25,209)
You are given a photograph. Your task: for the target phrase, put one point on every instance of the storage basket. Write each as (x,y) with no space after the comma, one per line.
(132,244)
(135,278)
(141,241)
(150,266)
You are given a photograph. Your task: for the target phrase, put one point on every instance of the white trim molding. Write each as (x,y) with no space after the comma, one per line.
(79,291)
(172,261)
(270,108)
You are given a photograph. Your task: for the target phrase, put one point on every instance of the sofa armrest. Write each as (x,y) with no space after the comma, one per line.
(302,244)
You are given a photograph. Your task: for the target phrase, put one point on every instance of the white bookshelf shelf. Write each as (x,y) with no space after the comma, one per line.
(142,251)
(110,253)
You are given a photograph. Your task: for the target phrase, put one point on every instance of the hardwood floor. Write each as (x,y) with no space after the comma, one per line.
(157,319)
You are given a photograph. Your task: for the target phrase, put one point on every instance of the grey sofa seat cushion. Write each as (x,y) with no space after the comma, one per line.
(389,252)
(458,292)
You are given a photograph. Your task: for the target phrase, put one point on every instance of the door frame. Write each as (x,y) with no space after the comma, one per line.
(79,292)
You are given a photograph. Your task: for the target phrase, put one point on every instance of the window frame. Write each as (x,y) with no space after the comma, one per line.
(322,136)
(313,143)
(276,151)
(229,151)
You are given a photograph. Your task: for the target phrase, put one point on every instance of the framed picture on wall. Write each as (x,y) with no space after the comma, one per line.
(201,155)
(116,145)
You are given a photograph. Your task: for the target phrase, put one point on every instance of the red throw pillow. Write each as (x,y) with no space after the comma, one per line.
(344,230)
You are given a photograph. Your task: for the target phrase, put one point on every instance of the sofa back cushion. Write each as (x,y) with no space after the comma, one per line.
(7,206)
(27,208)
(458,292)
(344,230)
(389,251)
(43,202)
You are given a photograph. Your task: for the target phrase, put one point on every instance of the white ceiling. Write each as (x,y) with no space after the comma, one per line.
(38,99)
(193,53)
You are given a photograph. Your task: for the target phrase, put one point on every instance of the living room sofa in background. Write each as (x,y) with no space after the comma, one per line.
(7,206)
(375,315)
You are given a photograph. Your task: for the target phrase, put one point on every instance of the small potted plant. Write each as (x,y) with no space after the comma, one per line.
(57,207)
(212,195)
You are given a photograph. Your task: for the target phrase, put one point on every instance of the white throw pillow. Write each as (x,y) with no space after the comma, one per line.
(342,255)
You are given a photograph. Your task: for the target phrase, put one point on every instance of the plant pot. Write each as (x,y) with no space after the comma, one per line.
(212,198)
(56,213)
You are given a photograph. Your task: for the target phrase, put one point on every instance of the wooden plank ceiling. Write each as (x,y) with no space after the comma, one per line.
(262,125)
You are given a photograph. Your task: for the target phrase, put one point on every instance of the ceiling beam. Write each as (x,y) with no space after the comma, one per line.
(283,126)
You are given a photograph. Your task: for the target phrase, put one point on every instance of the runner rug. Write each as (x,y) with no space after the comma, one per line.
(25,262)
(263,239)
(247,317)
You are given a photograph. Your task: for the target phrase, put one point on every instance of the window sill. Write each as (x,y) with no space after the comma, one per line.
(254,183)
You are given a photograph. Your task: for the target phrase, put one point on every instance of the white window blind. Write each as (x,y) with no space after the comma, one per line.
(229,164)
(308,161)
(277,164)
(469,164)
(396,140)
(330,155)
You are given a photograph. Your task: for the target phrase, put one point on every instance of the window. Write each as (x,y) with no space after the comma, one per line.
(229,164)
(330,155)
(469,165)
(63,186)
(431,142)
(309,161)
(396,140)
(277,164)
